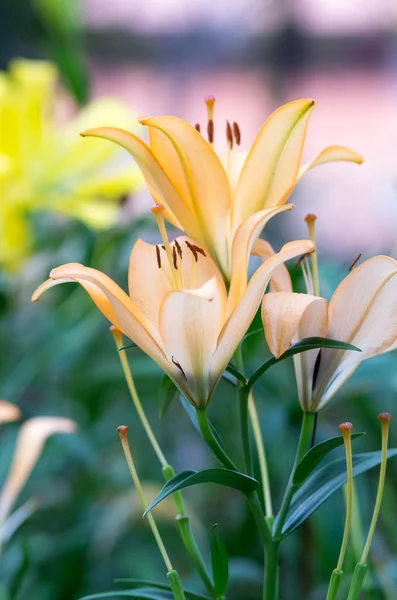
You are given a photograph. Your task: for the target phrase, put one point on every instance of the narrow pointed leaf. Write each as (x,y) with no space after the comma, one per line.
(315,455)
(311,343)
(141,594)
(323,482)
(167,393)
(143,583)
(226,477)
(219,562)
(128,346)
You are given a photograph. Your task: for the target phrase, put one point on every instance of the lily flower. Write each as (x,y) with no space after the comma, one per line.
(362,312)
(44,164)
(208,196)
(30,442)
(178,309)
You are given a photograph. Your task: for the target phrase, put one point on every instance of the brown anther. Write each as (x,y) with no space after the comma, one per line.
(300,259)
(158,256)
(229,134)
(178,248)
(163,247)
(176,363)
(210,131)
(237,133)
(123,430)
(310,218)
(174,258)
(343,427)
(355,261)
(197,127)
(385,417)
(199,250)
(195,250)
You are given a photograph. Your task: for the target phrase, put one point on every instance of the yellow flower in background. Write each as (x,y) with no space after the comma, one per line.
(44,163)
(210,197)
(362,312)
(178,309)
(31,438)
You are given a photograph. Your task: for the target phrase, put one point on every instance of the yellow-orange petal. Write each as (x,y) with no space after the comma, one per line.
(272,165)
(8,412)
(280,280)
(331,154)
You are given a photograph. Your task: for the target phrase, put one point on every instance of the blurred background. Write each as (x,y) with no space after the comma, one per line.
(71,200)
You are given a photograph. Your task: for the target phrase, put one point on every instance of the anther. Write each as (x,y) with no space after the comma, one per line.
(158,256)
(229,134)
(195,250)
(179,249)
(174,258)
(210,131)
(176,363)
(237,133)
(197,127)
(355,261)
(300,259)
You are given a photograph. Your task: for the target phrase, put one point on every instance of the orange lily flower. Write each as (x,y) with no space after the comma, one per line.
(209,200)
(361,312)
(178,309)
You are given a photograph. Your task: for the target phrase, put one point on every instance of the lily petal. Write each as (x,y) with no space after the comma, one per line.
(280,280)
(243,241)
(135,325)
(190,322)
(199,177)
(362,312)
(288,318)
(160,186)
(8,412)
(272,165)
(331,154)
(31,438)
(97,295)
(242,316)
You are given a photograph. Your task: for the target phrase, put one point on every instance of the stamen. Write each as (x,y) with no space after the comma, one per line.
(229,134)
(176,363)
(355,261)
(179,249)
(174,258)
(158,256)
(298,262)
(310,220)
(237,133)
(195,250)
(210,131)
(158,211)
(197,127)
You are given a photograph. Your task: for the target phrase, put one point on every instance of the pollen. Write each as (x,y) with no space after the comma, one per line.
(198,127)
(195,250)
(211,131)
(178,248)
(229,134)
(237,133)
(158,257)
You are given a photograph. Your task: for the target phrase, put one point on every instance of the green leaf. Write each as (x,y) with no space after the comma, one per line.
(315,455)
(219,562)
(311,343)
(227,477)
(141,594)
(323,482)
(191,411)
(167,393)
(139,583)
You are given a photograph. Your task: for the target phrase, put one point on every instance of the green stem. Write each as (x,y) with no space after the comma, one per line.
(357,581)
(270,589)
(205,429)
(334,584)
(306,430)
(176,585)
(243,397)
(260,448)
